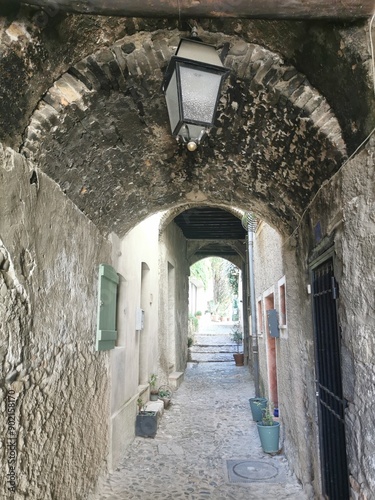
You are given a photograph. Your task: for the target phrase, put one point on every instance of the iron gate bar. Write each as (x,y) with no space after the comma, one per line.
(331,410)
(329,386)
(341,400)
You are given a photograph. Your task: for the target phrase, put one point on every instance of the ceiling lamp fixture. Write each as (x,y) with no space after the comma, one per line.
(192,86)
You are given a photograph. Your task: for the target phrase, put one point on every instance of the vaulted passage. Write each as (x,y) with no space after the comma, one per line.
(90,176)
(101,132)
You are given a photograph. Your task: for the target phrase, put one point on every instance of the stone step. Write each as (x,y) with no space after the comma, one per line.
(175,379)
(157,406)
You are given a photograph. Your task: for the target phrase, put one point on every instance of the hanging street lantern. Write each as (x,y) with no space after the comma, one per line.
(192,86)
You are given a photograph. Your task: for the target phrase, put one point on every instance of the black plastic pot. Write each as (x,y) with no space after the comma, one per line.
(146,424)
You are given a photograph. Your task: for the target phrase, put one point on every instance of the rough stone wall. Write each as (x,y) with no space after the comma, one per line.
(173,251)
(268,269)
(357,316)
(273,258)
(297,375)
(267,248)
(344,210)
(48,287)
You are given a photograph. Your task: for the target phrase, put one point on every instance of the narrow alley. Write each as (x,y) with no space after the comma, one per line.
(166,166)
(207,445)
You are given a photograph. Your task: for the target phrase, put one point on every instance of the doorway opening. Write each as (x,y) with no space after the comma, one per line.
(144,334)
(171,318)
(331,403)
(214,310)
(269,303)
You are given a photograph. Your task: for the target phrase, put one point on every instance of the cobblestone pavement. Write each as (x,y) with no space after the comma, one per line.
(206,447)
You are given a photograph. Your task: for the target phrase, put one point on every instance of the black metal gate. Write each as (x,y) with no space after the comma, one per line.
(329,384)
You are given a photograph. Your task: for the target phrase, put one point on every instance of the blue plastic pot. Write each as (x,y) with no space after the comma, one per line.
(269,437)
(257,406)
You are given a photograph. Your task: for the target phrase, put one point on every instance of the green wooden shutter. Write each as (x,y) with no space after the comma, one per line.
(106,334)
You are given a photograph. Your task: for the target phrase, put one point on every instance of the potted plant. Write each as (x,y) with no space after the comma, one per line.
(140,404)
(198,314)
(236,336)
(146,422)
(190,343)
(269,432)
(257,406)
(154,392)
(165,394)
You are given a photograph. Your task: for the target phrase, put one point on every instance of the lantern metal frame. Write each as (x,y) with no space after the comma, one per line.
(176,63)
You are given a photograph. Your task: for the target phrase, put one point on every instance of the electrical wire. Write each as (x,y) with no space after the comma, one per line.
(353,154)
(372,50)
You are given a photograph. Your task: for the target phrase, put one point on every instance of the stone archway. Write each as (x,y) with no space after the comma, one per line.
(101,132)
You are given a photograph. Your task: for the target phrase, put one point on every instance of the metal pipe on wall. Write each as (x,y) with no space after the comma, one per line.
(245,313)
(254,332)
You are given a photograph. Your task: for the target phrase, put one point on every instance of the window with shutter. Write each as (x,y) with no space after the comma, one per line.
(106,334)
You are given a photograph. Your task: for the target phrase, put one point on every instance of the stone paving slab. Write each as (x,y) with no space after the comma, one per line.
(207,426)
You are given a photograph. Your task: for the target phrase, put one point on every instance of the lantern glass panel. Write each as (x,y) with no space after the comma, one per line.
(171,97)
(199,92)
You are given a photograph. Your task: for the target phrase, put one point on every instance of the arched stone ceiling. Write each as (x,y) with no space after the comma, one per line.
(334,56)
(102,132)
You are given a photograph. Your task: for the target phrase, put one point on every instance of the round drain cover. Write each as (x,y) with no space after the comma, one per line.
(255,471)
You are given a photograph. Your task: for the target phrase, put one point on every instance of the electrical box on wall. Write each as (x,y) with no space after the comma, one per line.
(273,323)
(139,319)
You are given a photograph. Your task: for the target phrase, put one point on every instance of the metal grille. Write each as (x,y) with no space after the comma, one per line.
(329,385)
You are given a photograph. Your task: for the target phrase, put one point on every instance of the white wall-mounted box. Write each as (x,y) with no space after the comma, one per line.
(139,319)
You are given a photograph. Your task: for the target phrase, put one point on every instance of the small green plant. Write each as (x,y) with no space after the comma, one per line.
(164,393)
(190,341)
(194,323)
(198,313)
(236,336)
(152,382)
(139,404)
(267,418)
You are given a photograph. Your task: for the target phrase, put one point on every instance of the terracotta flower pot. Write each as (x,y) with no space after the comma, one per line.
(238,358)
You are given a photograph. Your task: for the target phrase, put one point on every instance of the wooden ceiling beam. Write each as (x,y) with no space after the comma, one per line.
(261,9)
